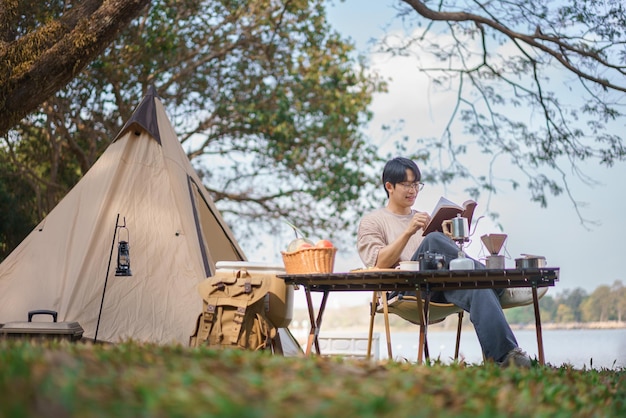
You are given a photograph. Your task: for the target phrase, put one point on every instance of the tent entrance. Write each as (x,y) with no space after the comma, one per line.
(216,244)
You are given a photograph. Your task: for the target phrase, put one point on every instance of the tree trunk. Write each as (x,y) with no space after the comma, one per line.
(37,65)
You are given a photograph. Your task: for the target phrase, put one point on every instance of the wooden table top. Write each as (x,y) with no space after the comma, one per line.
(393,279)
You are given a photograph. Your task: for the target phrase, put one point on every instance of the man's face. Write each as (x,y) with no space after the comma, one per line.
(404,193)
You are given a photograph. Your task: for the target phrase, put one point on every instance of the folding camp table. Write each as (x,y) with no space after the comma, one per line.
(385,280)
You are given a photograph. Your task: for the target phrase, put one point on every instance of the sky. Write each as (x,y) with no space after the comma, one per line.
(588,256)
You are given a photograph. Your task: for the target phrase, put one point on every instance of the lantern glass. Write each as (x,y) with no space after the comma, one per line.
(123,259)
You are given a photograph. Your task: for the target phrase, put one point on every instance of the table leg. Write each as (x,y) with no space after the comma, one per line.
(312,331)
(538,326)
(319,320)
(420,347)
(426,319)
(316,323)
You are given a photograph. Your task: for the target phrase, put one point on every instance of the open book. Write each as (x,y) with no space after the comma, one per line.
(447,209)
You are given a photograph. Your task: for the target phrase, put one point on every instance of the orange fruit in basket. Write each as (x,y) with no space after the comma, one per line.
(324,243)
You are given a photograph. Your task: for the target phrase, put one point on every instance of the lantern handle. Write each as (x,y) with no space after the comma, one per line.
(123,227)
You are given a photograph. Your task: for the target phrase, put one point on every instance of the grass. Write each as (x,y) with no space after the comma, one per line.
(56,379)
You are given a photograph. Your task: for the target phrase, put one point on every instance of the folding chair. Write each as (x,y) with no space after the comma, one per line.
(411,309)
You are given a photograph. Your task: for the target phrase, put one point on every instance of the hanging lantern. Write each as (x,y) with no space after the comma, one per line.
(123,259)
(123,263)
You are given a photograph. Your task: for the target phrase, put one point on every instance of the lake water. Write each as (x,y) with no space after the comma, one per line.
(588,348)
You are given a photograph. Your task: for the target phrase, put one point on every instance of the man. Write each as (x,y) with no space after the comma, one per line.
(392,234)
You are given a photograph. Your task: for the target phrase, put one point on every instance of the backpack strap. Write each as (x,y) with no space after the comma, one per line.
(240,313)
(262,328)
(206,320)
(213,312)
(193,338)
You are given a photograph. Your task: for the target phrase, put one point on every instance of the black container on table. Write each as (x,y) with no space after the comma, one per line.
(70,331)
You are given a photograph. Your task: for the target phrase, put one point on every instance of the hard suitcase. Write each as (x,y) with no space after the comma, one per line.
(70,331)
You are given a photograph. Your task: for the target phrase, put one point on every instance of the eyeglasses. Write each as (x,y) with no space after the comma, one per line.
(417,185)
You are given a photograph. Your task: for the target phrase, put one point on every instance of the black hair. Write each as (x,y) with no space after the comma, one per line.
(395,171)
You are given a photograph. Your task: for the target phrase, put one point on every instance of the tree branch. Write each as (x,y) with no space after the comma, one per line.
(44,56)
(559,53)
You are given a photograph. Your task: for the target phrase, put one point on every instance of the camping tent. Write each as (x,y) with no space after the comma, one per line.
(174,231)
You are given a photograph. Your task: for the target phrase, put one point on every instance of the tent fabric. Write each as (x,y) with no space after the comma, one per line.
(175,234)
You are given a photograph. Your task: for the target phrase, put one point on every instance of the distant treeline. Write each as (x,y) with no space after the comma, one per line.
(605,303)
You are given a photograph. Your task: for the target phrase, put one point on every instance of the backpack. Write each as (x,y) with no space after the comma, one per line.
(234,312)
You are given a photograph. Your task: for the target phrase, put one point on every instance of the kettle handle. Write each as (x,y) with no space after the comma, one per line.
(446,226)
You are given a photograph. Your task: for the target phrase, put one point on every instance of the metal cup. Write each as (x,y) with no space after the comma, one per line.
(456,228)
(495,262)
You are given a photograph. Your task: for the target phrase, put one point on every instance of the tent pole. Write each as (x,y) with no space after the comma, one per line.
(95,338)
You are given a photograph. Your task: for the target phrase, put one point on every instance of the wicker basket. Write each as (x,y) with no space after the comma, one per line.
(310,260)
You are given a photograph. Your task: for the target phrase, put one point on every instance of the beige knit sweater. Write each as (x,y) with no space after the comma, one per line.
(381,227)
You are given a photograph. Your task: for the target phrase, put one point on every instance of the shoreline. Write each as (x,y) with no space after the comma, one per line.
(354,320)
(575,325)
(467,326)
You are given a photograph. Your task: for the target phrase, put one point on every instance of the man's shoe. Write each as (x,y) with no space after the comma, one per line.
(516,357)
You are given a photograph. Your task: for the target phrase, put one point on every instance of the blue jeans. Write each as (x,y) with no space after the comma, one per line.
(494,333)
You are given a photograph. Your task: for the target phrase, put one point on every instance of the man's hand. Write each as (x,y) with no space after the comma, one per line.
(389,255)
(419,221)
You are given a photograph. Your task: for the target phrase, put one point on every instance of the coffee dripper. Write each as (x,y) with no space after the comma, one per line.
(493,243)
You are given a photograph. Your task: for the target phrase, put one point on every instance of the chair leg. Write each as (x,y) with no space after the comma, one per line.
(458,336)
(420,350)
(371,330)
(387,331)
